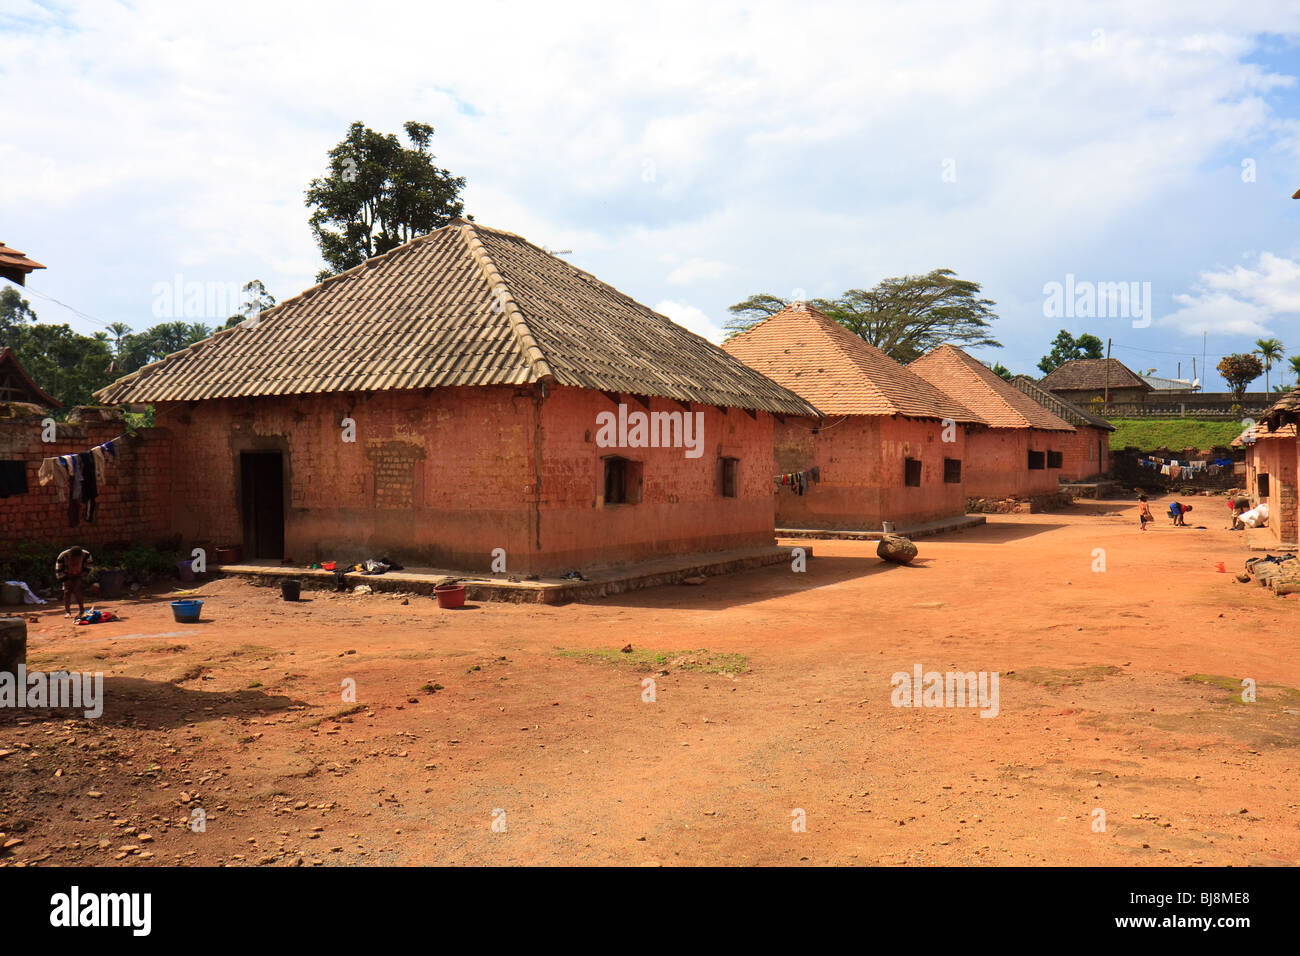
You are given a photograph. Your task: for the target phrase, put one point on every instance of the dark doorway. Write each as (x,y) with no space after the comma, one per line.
(262,484)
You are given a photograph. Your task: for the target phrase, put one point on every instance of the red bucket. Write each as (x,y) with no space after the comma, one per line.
(450,595)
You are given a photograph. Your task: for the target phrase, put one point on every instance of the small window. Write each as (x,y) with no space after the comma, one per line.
(730,476)
(622,481)
(1036,460)
(1261,484)
(912,472)
(1055,459)
(952,471)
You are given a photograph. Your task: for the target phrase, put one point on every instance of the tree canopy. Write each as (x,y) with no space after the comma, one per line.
(905,316)
(1066,348)
(1239,371)
(379,194)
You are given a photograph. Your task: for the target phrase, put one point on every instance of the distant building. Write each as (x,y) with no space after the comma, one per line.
(17,386)
(1081,380)
(1022,452)
(1168,386)
(891,445)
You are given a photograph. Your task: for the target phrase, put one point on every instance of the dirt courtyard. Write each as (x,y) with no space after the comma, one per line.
(519,734)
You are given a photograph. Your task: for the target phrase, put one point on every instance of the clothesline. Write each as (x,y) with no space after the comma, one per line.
(798,481)
(80,474)
(111,441)
(1176,467)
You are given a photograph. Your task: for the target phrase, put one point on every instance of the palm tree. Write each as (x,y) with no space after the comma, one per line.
(120,331)
(1295,367)
(1270,350)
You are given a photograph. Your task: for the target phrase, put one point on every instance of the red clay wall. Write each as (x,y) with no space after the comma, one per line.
(1278,458)
(997,462)
(441,478)
(133,505)
(861,460)
(1082,460)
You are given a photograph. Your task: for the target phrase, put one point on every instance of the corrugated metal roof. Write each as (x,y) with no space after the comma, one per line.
(813,355)
(464,305)
(983,391)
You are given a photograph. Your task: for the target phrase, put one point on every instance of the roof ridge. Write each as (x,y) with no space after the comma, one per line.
(503,301)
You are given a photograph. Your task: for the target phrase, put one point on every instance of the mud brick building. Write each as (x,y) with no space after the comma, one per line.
(443,400)
(891,446)
(1022,452)
(1273,468)
(1087,451)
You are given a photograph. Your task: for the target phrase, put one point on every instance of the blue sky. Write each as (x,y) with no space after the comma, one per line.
(689,154)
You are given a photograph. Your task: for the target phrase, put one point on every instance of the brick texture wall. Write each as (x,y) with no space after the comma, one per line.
(861,460)
(1279,458)
(1087,453)
(441,477)
(997,462)
(134,504)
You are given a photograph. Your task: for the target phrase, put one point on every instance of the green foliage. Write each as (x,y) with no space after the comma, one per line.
(1001,371)
(904,316)
(67,365)
(1066,348)
(379,194)
(1271,351)
(1294,362)
(1239,371)
(141,564)
(30,561)
(1149,434)
(256,301)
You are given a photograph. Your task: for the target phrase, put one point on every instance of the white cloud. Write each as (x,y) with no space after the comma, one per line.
(1239,300)
(696,269)
(693,319)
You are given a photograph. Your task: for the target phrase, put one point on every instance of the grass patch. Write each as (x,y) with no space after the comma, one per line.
(1277,695)
(640,659)
(1057,677)
(1149,434)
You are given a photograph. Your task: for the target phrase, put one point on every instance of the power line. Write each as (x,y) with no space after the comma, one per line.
(85,315)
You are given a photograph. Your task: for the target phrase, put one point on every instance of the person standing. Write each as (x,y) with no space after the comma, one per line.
(1144,512)
(71,568)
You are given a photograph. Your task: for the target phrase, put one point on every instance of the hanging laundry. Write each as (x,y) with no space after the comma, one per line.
(89,486)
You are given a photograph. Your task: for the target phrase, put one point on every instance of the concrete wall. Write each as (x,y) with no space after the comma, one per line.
(133,504)
(997,462)
(1279,458)
(861,460)
(1086,453)
(1121,396)
(441,477)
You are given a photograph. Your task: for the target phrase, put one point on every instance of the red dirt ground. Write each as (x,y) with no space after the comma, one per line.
(239,716)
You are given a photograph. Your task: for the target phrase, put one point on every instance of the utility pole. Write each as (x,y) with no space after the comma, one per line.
(1106,397)
(1205,369)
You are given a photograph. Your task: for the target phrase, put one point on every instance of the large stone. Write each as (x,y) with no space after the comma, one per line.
(896,548)
(13,643)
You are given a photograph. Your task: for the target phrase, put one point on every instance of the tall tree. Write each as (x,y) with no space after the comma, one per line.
(66,364)
(1001,371)
(1295,367)
(1239,371)
(256,301)
(379,194)
(1271,351)
(1066,348)
(905,316)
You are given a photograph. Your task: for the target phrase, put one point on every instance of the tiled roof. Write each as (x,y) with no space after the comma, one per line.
(463,305)
(983,391)
(814,356)
(17,386)
(15,266)
(1285,410)
(1091,374)
(1074,414)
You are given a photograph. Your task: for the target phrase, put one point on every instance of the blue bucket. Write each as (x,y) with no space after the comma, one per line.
(186,612)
